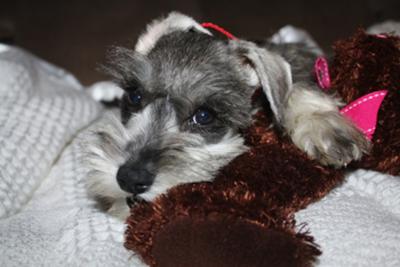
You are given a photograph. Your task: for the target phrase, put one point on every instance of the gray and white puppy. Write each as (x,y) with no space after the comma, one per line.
(188,95)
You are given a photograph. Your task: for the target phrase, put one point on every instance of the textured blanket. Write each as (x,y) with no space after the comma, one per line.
(46,218)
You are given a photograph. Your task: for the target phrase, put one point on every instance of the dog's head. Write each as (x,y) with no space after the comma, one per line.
(187,95)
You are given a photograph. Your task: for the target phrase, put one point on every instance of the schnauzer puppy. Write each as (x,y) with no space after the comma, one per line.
(186,96)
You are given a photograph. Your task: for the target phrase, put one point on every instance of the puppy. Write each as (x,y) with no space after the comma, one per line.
(187,95)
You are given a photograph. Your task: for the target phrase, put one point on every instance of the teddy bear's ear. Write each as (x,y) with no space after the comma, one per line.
(266,70)
(159,27)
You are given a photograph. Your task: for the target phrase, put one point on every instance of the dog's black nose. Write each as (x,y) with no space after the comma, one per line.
(134,180)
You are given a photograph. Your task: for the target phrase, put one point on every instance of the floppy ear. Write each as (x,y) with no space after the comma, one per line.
(268,70)
(159,27)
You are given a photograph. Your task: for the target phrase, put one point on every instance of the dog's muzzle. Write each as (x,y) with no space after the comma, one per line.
(134,180)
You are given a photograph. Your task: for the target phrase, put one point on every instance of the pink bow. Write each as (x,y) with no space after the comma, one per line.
(363,112)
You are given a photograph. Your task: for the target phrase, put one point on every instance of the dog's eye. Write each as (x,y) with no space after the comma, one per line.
(203,116)
(135,97)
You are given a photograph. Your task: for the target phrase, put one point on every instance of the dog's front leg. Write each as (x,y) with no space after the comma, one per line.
(314,123)
(311,117)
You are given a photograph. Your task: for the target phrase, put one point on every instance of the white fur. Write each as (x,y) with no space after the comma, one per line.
(105,159)
(291,34)
(388,27)
(104,163)
(250,76)
(201,163)
(316,126)
(105,91)
(158,28)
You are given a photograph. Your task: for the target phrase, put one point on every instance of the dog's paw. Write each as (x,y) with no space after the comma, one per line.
(329,138)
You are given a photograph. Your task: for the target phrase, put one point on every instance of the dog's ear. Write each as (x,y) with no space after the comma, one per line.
(265,69)
(159,27)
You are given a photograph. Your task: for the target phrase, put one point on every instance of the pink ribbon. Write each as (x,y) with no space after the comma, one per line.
(364,111)
(322,73)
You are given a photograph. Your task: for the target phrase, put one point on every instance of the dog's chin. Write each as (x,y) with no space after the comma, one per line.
(119,208)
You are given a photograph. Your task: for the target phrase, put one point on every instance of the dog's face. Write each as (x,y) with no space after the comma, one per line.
(183,106)
(187,95)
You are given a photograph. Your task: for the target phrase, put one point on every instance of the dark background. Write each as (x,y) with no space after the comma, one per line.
(75,34)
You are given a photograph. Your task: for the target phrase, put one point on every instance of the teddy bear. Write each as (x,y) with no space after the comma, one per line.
(364,64)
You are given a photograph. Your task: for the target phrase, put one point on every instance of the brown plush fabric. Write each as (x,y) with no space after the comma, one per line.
(363,64)
(245,217)
(263,187)
(228,242)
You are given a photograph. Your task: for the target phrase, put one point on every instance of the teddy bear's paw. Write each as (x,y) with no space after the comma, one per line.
(330,138)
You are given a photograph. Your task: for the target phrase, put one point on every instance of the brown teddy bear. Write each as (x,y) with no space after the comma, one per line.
(245,217)
(363,64)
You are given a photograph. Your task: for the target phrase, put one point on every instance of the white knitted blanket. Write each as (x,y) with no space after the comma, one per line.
(358,224)
(46,219)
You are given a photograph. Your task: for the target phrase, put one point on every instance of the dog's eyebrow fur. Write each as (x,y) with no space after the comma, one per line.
(127,67)
(193,70)
(198,70)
